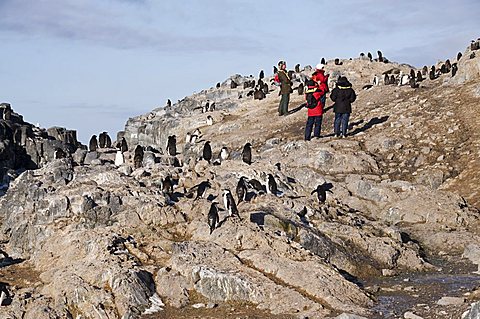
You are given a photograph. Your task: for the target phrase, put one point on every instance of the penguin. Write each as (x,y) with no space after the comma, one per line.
(218,85)
(102,140)
(386,80)
(291,74)
(419,76)
(209,120)
(362,55)
(207,152)
(392,79)
(271,185)
(380,56)
(224,154)
(247,153)
(337,61)
(278,166)
(213,218)
(275,70)
(258,95)
(367,87)
(321,193)
(250,93)
(59,153)
(205,107)
(241,190)
(412,73)
(369,56)
(169,103)
(211,108)
(443,69)
(297,68)
(265,89)
(448,65)
(197,132)
(459,56)
(301,89)
(472,56)
(193,139)
(123,145)
(138,157)
(172,145)
(252,84)
(256,185)
(424,70)
(303,213)
(229,203)
(167,186)
(246,85)
(259,83)
(233,85)
(93,144)
(261,75)
(413,83)
(202,189)
(108,141)
(375,80)
(432,74)
(188,137)
(322,61)
(119,159)
(454,69)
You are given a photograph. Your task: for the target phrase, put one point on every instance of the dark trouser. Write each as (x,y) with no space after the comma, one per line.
(317,120)
(283,106)
(341,123)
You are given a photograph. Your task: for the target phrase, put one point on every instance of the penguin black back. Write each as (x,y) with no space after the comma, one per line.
(93,144)
(247,153)
(297,68)
(207,151)
(261,75)
(321,193)
(272,185)
(213,217)
(241,189)
(172,145)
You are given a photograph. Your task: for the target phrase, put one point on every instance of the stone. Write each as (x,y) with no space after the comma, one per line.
(411,315)
(446,301)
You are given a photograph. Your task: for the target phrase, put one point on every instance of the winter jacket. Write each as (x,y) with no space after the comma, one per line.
(343,95)
(322,79)
(318,93)
(285,82)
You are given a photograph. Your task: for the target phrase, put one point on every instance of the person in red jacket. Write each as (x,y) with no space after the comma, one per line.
(321,78)
(313,95)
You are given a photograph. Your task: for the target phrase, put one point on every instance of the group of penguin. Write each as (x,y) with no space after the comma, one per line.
(413,78)
(258,88)
(104,141)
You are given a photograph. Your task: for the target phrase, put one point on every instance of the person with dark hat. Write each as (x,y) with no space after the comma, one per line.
(343,95)
(285,88)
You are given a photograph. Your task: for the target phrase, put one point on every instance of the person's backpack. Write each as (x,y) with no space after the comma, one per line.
(311,88)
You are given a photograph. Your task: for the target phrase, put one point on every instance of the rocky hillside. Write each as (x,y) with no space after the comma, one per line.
(26,146)
(88,236)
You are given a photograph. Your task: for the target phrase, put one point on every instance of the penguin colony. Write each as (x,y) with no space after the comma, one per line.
(246,189)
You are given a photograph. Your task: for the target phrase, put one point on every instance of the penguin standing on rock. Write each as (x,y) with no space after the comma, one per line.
(224,154)
(202,189)
(419,76)
(241,190)
(209,120)
(119,158)
(167,186)
(321,193)
(122,145)
(172,145)
(271,185)
(454,69)
(247,154)
(261,75)
(229,203)
(93,144)
(322,61)
(213,218)
(207,151)
(188,137)
(459,56)
(169,103)
(102,140)
(301,89)
(297,68)
(386,80)
(59,153)
(138,157)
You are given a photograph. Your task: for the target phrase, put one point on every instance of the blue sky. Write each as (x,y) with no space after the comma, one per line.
(89,65)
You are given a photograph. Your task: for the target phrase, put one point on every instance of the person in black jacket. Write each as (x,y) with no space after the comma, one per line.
(343,95)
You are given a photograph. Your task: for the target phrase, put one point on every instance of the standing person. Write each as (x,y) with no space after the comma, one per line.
(343,95)
(313,96)
(322,80)
(285,88)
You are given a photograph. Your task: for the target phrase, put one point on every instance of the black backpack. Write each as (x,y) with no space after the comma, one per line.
(311,88)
